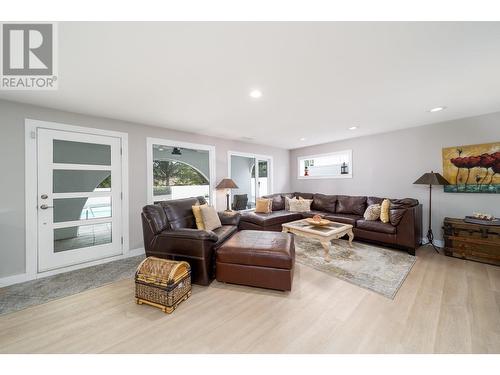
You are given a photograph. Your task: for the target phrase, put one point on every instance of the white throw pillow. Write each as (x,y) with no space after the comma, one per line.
(300,205)
(210,217)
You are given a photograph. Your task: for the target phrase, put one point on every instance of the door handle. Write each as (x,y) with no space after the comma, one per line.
(44,206)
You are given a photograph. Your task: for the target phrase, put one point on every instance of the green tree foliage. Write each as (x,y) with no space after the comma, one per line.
(262,170)
(174,173)
(106,183)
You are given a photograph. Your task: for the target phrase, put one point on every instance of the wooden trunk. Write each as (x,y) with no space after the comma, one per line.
(472,241)
(162,283)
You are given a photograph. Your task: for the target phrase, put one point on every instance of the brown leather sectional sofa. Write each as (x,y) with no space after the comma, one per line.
(403,231)
(170,232)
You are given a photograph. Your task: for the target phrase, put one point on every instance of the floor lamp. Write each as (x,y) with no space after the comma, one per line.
(431,179)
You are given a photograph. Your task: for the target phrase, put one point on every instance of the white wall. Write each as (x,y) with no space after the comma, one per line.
(12,116)
(386,165)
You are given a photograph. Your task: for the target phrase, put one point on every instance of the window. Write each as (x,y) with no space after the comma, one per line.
(179,170)
(331,165)
(252,174)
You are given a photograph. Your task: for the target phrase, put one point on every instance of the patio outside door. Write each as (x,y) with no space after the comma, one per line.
(79,198)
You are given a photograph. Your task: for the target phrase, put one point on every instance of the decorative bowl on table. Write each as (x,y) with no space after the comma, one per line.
(318,220)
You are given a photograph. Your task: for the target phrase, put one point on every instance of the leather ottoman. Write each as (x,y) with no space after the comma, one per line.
(257,258)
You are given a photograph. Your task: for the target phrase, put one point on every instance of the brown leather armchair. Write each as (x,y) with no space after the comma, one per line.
(169,229)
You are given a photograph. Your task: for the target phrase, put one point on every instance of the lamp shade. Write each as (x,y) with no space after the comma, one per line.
(431,179)
(227,183)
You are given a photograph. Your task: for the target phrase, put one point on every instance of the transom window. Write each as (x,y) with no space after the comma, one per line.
(332,165)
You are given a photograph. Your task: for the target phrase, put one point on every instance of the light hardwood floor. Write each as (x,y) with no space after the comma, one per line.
(445,306)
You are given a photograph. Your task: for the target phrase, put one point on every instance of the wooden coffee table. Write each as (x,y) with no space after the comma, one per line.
(324,234)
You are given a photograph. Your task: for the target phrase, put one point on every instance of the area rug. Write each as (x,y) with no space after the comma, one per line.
(20,296)
(372,267)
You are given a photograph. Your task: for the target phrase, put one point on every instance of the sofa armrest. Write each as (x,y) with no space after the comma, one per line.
(191,234)
(409,229)
(229,219)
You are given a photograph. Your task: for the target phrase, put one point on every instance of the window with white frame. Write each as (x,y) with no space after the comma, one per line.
(332,165)
(179,170)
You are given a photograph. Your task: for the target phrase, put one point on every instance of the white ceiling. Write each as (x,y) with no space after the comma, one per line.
(317,79)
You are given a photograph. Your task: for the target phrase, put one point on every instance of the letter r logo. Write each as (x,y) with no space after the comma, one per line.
(27,49)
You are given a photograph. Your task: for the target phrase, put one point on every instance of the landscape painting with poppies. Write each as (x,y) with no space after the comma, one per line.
(472,169)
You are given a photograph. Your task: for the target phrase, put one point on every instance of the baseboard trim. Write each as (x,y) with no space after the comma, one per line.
(20,278)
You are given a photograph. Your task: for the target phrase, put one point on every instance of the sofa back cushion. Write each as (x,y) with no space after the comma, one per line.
(304,195)
(155,217)
(395,215)
(323,202)
(351,205)
(373,200)
(403,203)
(179,212)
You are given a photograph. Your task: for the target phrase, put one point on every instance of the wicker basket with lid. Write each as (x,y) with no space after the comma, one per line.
(162,283)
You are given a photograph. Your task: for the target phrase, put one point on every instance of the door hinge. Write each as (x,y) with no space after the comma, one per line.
(121,151)
(122,240)
(33,135)
(121,195)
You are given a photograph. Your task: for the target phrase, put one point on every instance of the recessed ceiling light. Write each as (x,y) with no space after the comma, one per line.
(302,139)
(437,109)
(256,94)
(353,128)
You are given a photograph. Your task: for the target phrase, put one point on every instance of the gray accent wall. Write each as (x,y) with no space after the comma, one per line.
(12,168)
(386,165)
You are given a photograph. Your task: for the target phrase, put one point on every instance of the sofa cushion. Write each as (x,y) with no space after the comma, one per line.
(376,226)
(373,200)
(223,233)
(395,215)
(351,205)
(273,218)
(343,218)
(403,203)
(303,195)
(155,217)
(179,212)
(257,248)
(323,202)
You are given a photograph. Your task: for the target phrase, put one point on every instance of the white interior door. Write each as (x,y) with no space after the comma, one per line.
(79,198)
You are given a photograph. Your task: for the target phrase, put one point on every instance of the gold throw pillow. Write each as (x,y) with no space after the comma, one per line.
(197,216)
(384,211)
(263,206)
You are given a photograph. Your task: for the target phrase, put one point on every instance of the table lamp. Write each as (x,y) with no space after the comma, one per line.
(227,184)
